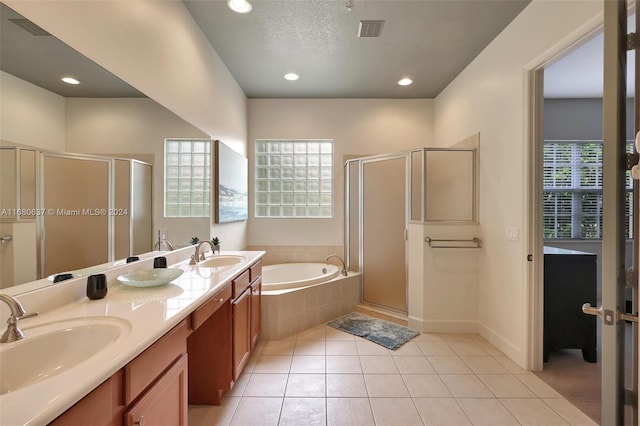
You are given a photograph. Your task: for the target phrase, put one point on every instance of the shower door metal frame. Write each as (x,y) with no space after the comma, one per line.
(361,161)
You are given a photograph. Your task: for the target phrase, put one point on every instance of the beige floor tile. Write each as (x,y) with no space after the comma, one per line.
(435,349)
(303,411)
(309,347)
(511,366)
(346,385)
(466,386)
(278,347)
(349,412)
(408,349)
(378,364)
(449,365)
(539,387)
(240,385)
(257,411)
(533,412)
(366,347)
(491,350)
(467,349)
(394,412)
(427,337)
(306,385)
(335,334)
(487,412)
(266,385)
(206,415)
(343,364)
(341,347)
(506,386)
(567,411)
(308,364)
(441,412)
(413,365)
(273,364)
(484,365)
(312,334)
(385,386)
(425,386)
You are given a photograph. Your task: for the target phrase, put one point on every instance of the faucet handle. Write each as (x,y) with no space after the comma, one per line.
(29,315)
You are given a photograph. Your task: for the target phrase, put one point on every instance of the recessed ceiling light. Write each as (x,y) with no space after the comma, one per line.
(239,6)
(70,80)
(291,76)
(405,81)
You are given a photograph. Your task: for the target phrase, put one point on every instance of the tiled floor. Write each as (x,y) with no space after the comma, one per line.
(323,376)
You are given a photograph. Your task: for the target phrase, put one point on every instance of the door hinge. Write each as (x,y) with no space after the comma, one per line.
(529,258)
(631,278)
(631,159)
(632,41)
(630,397)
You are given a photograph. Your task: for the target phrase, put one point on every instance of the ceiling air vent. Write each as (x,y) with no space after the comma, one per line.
(370,28)
(30,27)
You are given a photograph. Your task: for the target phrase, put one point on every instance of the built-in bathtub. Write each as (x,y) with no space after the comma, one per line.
(297,296)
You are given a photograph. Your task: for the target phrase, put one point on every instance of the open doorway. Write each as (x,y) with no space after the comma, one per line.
(570,214)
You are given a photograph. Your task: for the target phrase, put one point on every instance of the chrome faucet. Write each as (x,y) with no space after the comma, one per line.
(13,333)
(344,268)
(197,256)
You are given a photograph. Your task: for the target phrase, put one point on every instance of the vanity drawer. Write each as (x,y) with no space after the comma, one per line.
(256,270)
(149,365)
(209,307)
(240,282)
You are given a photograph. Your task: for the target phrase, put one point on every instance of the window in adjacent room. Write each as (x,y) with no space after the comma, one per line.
(187,176)
(294,178)
(573,190)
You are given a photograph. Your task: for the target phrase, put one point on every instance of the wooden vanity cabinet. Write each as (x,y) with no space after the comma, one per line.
(209,348)
(246,309)
(150,389)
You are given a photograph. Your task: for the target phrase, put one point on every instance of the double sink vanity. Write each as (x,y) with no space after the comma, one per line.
(139,355)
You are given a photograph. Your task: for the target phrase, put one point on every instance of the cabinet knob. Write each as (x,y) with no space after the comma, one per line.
(221,300)
(140,421)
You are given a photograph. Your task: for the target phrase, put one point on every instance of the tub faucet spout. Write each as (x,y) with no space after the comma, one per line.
(344,268)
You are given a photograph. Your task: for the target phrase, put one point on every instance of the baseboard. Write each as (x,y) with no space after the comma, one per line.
(443,326)
(503,345)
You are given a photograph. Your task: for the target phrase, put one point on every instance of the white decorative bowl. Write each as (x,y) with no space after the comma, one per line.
(150,277)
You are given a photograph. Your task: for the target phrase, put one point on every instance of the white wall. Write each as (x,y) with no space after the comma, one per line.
(30,115)
(134,126)
(490,97)
(156,47)
(359,127)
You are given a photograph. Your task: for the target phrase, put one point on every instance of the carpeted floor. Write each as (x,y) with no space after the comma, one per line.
(578,381)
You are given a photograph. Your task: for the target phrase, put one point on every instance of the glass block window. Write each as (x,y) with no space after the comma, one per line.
(294,178)
(572,197)
(187,176)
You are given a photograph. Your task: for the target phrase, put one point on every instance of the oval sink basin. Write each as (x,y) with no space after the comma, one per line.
(220,261)
(54,348)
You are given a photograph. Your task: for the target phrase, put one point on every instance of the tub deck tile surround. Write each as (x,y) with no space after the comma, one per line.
(287,312)
(376,387)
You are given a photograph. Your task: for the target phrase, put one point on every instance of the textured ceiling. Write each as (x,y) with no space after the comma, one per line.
(427,40)
(44,60)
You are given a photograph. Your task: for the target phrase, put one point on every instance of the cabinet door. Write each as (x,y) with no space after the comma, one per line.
(241,309)
(165,403)
(256,312)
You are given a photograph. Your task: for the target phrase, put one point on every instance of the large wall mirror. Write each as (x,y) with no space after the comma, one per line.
(101,127)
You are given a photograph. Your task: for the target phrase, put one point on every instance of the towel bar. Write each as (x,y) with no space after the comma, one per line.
(474,240)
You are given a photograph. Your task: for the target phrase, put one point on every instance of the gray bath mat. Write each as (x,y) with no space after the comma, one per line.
(382,332)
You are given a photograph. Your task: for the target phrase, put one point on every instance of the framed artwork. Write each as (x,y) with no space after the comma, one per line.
(231,185)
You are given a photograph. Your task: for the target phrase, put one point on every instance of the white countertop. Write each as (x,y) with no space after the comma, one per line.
(557,250)
(151,312)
